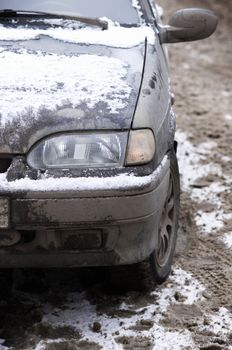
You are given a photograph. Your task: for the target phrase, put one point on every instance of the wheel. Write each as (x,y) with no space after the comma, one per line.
(162,257)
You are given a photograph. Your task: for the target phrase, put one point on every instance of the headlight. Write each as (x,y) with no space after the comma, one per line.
(79,150)
(141,147)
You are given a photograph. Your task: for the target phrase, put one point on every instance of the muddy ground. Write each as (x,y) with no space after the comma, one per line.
(68,310)
(202,82)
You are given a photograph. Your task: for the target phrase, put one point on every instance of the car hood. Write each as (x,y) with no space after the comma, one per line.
(50,84)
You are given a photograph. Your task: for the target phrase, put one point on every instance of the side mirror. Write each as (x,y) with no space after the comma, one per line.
(188,25)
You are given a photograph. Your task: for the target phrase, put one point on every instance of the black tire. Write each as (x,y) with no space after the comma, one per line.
(162,257)
(6,282)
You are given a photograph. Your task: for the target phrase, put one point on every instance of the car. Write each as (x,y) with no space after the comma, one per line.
(88,167)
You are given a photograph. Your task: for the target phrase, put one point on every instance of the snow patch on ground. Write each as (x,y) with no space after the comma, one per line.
(192,170)
(228,117)
(220,322)
(80,314)
(114,36)
(186,66)
(180,282)
(213,221)
(211,192)
(226,93)
(190,157)
(187,285)
(36,80)
(227,239)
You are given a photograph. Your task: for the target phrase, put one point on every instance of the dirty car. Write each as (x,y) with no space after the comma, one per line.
(88,167)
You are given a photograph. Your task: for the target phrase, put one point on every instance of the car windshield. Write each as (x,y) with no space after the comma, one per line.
(121,11)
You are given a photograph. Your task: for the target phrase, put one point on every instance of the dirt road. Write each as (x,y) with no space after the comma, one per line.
(202,81)
(193,309)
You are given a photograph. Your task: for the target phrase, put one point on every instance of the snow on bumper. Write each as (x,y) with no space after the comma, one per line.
(82,186)
(116,226)
(55,202)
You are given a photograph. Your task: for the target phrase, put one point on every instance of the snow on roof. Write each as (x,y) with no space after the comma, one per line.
(39,79)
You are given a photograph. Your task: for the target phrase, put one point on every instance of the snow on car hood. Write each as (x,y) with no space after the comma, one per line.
(115,36)
(51,82)
(34,80)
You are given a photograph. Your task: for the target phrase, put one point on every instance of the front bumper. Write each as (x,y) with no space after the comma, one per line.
(86,226)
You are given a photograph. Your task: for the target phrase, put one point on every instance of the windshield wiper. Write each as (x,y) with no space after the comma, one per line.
(9,13)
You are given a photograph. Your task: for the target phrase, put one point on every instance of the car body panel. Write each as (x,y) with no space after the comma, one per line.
(154,109)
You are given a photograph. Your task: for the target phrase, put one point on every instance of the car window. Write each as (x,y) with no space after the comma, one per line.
(121,11)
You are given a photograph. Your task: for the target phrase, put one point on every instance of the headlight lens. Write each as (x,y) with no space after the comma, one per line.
(141,147)
(79,150)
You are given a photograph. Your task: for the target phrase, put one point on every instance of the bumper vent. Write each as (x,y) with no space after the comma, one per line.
(81,240)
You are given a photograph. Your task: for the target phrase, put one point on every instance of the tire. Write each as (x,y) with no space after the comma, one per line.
(6,283)
(162,257)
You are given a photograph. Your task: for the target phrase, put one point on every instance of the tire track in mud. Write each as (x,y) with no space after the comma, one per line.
(213,267)
(205,257)
(210,262)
